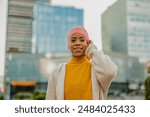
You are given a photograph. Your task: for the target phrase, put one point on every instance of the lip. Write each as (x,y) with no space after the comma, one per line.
(80,48)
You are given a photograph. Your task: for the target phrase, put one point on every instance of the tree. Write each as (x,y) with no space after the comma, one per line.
(147,88)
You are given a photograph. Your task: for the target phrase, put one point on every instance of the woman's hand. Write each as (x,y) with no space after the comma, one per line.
(90,42)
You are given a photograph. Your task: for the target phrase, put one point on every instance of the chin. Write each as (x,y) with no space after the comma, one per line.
(78,55)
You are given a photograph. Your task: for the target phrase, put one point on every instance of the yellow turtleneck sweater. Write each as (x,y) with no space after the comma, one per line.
(78,85)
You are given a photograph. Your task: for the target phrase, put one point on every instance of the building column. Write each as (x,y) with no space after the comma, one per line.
(3,35)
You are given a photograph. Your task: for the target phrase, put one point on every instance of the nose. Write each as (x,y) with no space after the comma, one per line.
(78,42)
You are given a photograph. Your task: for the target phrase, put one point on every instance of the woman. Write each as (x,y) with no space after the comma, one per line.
(87,76)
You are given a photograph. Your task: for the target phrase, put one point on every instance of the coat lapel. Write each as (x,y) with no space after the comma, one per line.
(60,82)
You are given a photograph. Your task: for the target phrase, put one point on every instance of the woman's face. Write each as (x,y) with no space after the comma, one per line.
(78,45)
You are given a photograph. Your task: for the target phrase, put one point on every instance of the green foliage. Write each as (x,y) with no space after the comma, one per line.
(148,69)
(147,88)
(39,95)
(1,97)
(23,96)
(36,95)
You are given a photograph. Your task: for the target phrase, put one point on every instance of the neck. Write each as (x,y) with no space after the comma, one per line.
(78,57)
(75,60)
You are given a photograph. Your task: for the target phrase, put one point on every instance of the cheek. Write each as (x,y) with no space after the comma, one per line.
(85,45)
(70,47)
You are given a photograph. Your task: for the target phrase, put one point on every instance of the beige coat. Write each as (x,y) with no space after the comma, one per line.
(103,72)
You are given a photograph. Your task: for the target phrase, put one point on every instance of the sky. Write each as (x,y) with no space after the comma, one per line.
(92,15)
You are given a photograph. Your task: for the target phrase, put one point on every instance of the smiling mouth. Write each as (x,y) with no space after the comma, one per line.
(78,49)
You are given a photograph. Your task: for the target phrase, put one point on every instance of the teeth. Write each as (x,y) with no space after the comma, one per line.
(77,48)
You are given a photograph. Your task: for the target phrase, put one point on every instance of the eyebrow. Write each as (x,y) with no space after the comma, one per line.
(76,37)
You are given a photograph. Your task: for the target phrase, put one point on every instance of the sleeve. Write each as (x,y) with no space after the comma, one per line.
(105,68)
(51,88)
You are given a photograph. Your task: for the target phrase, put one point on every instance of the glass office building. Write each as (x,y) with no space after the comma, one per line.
(126,28)
(24,73)
(138,18)
(20,69)
(126,31)
(51,25)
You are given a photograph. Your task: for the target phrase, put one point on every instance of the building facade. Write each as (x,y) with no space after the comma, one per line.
(19,43)
(19,28)
(51,25)
(126,28)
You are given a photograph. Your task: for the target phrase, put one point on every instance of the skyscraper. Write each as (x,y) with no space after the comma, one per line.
(126,27)
(19,31)
(19,40)
(51,25)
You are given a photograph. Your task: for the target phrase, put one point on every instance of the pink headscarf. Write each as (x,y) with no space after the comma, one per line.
(80,30)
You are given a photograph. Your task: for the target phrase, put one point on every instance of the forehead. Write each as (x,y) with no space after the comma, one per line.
(77,34)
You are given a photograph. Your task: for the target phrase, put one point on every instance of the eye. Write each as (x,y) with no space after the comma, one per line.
(73,39)
(82,39)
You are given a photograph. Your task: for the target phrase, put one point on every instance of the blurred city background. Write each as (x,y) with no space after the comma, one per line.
(33,40)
